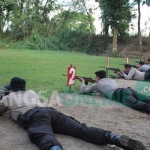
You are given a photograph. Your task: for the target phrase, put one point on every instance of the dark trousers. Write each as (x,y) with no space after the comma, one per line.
(147,75)
(42,123)
(133,99)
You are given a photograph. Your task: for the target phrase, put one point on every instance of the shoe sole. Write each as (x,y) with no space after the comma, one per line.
(131,144)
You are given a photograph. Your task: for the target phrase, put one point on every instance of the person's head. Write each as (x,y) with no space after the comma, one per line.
(127,67)
(100,75)
(148,61)
(16,84)
(141,63)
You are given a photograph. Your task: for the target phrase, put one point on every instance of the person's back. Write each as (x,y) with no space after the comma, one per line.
(144,68)
(134,74)
(20,102)
(106,86)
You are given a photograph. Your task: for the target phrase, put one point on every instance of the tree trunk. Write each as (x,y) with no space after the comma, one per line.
(106,27)
(139,23)
(149,39)
(139,29)
(44,13)
(115,39)
(89,18)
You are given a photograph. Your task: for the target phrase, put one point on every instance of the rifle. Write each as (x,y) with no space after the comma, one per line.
(3,92)
(116,77)
(114,69)
(134,66)
(87,79)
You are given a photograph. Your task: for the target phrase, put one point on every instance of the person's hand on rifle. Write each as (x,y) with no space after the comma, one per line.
(121,71)
(115,71)
(82,80)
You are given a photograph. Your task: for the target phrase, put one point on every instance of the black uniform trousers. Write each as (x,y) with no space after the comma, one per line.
(147,75)
(133,99)
(42,123)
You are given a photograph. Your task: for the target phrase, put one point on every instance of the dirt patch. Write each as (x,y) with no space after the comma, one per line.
(93,110)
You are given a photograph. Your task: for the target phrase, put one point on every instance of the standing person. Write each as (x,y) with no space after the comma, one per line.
(143,67)
(40,122)
(134,73)
(108,88)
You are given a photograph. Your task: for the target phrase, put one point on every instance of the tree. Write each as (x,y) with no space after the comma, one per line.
(138,2)
(118,13)
(21,17)
(81,6)
(72,20)
(6,6)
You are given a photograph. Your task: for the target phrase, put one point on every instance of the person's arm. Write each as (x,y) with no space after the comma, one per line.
(87,89)
(130,75)
(120,74)
(140,68)
(3,109)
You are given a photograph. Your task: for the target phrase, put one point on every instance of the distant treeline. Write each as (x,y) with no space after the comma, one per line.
(66,26)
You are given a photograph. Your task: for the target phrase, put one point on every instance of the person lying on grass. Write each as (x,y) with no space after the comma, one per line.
(107,87)
(42,122)
(134,73)
(143,67)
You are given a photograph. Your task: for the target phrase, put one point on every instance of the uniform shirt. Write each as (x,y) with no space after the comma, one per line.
(144,68)
(20,102)
(134,74)
(105,87)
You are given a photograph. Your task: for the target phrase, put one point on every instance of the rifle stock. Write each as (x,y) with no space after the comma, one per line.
(134,66)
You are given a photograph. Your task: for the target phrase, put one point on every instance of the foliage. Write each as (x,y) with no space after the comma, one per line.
(49,24)
(116,13)
(72,20)
(64,40)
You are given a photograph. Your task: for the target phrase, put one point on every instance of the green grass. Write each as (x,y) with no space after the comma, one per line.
(43,69)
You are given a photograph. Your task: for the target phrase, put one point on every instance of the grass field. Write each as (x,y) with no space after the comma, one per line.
(43,69)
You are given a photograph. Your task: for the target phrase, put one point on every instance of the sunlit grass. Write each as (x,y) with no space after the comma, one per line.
(43,69)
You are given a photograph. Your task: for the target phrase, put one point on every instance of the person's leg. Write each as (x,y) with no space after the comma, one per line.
(40,130)
(69,126)
(130,100)
(140,97)
(147,75)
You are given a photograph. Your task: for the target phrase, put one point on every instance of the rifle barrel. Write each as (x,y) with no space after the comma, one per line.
(77,77)
(64,75)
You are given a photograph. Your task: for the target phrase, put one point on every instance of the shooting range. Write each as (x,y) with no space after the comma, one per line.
(52,45)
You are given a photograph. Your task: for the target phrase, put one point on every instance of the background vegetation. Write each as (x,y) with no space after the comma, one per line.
(61,25)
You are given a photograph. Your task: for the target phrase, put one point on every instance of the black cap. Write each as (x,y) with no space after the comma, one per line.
(127,66)
(101,74)
(141,62)
(16,84)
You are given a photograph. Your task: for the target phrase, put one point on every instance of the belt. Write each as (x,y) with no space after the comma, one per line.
(30,112)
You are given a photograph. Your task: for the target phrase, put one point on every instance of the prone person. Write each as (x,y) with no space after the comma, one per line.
(134,73)
(108,88)
(42,122)
(143,67)
(148,62)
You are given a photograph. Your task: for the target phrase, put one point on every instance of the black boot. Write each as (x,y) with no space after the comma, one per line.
(124,142)
(147,110)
